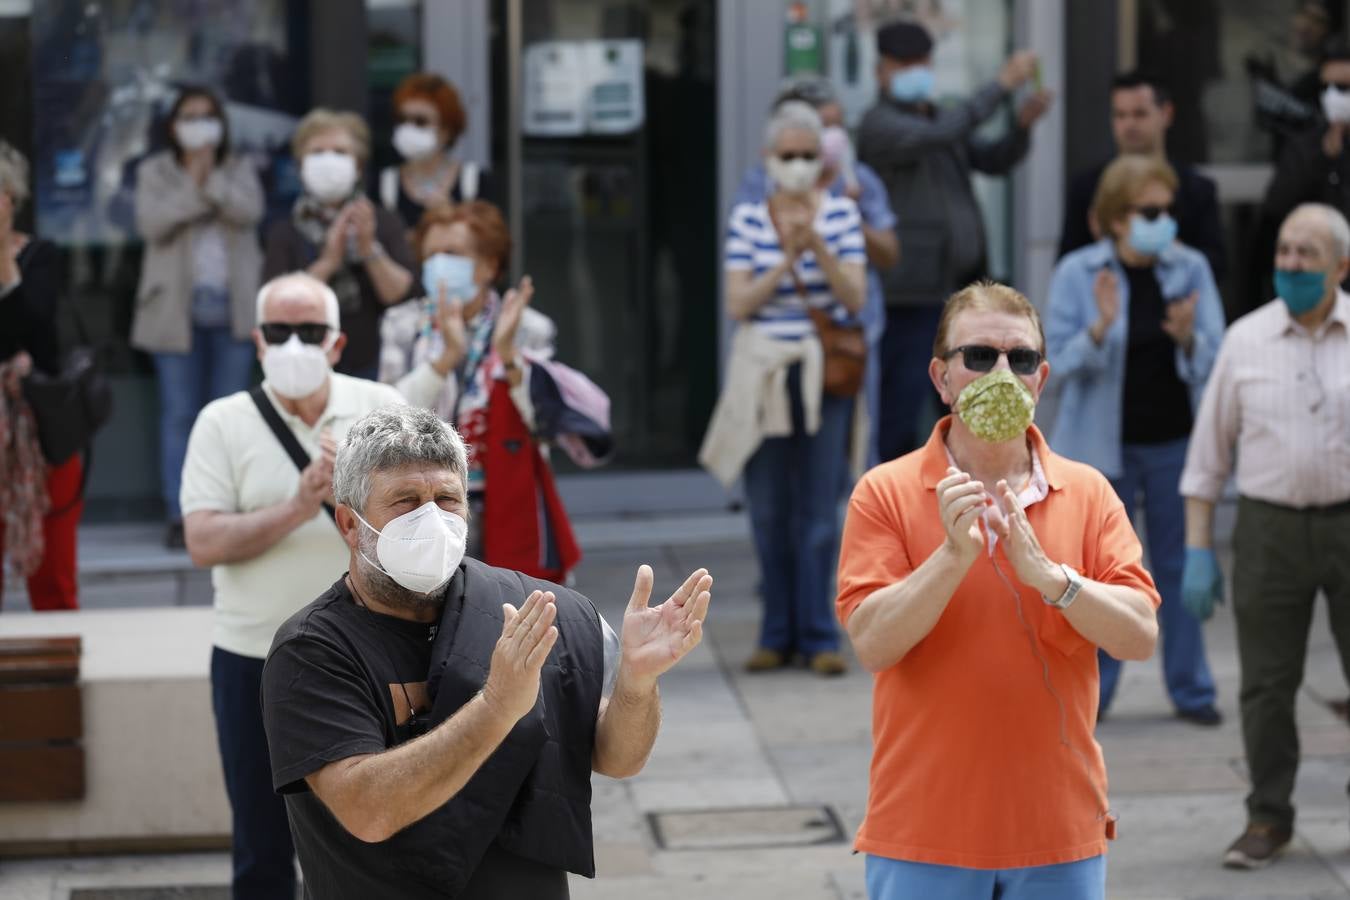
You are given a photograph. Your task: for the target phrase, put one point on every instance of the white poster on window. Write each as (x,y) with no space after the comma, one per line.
(583,87)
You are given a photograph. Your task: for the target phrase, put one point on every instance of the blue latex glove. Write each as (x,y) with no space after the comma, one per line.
(1201,582)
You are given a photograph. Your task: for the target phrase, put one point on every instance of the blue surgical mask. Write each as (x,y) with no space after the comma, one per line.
(912,85)
(454,273)
(1300,291)
(1151,237)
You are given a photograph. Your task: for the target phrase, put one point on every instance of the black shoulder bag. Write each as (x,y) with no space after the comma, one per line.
(283,434)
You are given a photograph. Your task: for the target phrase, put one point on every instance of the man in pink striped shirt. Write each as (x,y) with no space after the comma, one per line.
(1279,401)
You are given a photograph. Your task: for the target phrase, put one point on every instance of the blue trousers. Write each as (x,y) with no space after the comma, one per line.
(893,879)
(906,392)
(1155,470)
(216,366)
(793,486)
(264,867)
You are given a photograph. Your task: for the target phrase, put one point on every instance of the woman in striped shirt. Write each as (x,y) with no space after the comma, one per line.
(800,250)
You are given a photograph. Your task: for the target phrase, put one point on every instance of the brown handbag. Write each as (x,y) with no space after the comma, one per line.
(844,346)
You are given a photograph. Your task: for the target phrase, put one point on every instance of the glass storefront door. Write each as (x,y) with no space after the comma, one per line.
(612,164)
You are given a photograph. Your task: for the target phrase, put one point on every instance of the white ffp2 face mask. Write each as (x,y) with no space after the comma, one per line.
(415,141)
(296,369)
(421,549)
(793,176)
(194,134)
(1336,104)
(328,175)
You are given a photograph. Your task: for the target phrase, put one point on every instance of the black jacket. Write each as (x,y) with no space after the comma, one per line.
(533,795)
(1197,213)
(28,313)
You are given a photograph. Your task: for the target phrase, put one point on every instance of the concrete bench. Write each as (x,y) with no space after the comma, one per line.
(153,776)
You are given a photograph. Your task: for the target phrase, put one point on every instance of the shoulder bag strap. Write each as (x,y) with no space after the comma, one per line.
(288,440)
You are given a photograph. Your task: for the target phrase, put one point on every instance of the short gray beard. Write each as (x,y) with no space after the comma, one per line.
(383,589)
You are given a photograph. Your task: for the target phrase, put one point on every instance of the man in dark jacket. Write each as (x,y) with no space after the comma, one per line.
(1141,113)
(1314,167)
(431,739)
(924,153)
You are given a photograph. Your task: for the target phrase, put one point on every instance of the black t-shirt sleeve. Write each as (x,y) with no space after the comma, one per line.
(318,708)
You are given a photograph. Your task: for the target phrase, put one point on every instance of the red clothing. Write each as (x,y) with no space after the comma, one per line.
(54,584)
(971,765)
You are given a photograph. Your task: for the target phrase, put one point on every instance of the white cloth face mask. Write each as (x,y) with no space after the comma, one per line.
(421,549)
(194,134)
(328,175)
(796,176)
(296,369)
(415,141)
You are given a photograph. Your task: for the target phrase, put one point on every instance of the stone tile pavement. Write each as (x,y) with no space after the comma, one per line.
(732,741)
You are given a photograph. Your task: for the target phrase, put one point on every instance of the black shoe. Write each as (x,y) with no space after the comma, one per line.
(1203,715)
(173,538)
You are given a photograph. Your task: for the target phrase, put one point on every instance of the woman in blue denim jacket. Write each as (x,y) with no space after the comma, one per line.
(1133,326)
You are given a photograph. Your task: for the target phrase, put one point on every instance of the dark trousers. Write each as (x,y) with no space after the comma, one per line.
(1282,557)
(264,867)
(1154,471)
(906,350)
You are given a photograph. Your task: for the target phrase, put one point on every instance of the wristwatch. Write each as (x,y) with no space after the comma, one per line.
(1070,592)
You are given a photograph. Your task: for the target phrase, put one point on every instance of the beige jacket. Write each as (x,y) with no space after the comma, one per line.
(169,206)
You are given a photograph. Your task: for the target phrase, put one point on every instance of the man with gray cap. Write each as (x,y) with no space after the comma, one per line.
(434,721)
(1275,408)
(924,153)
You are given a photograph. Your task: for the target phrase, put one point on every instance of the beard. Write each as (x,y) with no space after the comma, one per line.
(384,589)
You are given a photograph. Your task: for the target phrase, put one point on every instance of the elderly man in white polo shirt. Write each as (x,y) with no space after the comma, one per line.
(254,511)
(1276,406)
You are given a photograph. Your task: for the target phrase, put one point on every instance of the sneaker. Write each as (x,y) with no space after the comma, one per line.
(1258,847)
(1203,715)
(828,663)
(764,660)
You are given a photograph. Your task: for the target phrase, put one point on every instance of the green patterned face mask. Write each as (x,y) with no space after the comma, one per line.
(996,407)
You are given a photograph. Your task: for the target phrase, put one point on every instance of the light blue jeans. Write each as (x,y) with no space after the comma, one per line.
(894,879)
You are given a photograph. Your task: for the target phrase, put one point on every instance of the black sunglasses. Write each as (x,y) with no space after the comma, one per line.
(280,332)
(419,120)
(808,155)
(983,358)
(1152,212)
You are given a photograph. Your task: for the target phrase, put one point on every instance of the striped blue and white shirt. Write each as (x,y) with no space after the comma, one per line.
(753,246)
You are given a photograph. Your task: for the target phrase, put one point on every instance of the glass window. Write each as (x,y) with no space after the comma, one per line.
(618,190)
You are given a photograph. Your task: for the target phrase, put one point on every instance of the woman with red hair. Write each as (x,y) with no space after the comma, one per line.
(472,356)
(429,120)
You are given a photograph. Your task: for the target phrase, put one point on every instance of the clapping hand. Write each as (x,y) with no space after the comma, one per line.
(961,502)
(1106,291)
(449,321)
(528,635)
(508,320)
(1022,547)
(1180,321)
(654,639)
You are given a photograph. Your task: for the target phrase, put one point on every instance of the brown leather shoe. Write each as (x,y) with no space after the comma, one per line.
(828,663)
(1257,847)
(765,660)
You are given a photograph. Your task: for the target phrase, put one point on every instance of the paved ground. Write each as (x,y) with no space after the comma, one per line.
(732,741)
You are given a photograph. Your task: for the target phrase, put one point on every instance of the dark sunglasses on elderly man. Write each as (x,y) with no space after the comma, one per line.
(280,332)
(789,156)
(983,358)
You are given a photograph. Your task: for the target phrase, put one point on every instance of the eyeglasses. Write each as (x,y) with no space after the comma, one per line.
(983,358)
(808,155)
(421,121)
(280,332)
(1152,212)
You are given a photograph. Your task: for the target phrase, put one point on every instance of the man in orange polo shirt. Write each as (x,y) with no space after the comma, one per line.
(977,578)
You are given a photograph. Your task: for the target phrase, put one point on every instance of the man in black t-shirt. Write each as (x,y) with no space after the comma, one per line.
(384,798)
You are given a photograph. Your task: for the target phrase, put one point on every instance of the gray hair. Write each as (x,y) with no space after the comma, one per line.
(394,437)
(794,115)
(1338,230)
(309,282)
(13,174)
